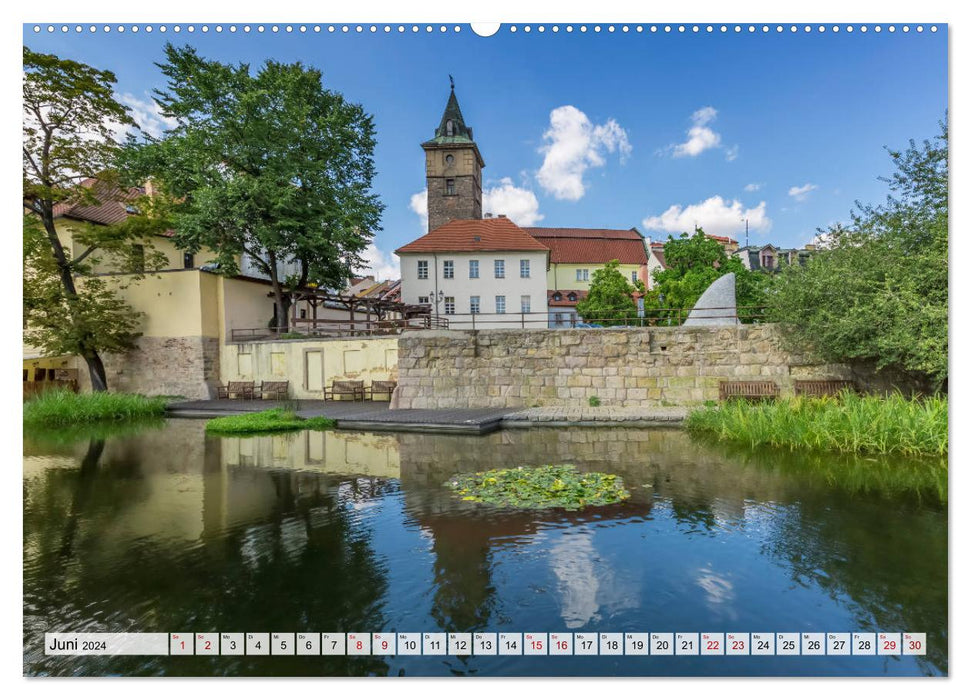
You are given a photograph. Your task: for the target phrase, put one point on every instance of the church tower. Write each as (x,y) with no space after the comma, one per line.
(453,169)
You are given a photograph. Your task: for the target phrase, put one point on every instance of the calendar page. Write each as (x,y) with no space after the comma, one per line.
(539,349)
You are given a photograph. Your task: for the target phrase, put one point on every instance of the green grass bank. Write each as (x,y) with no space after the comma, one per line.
(275,420)
(65,408)
(847,423)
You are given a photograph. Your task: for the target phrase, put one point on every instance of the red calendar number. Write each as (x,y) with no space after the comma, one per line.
(359,645)
(737,645)
(914,645)
(889,645)
(712,645)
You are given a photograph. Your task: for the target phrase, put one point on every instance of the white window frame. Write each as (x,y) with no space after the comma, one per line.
(424,300)
(449,306)
(448,269)
(475,305)
(423,269)
(525,304)
(524,269)
(500,269)
(473,269)
(500,303)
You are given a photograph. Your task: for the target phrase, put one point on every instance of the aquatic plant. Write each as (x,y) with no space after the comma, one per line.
(550,486)
(847,423)
(65,408)
(275,420)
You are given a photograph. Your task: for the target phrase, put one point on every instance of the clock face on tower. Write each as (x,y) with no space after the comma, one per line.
(449,159)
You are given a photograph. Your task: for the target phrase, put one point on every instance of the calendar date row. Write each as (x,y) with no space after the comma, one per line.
(488,644)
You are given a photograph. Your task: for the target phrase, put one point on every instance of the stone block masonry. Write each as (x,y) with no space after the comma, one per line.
(641,367)
(186,366)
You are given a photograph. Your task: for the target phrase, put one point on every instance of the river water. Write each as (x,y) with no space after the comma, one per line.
(170,530)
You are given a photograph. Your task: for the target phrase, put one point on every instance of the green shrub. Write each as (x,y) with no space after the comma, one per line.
(65,408)
(551,486)
(594,401)
(275,420)
(848,423)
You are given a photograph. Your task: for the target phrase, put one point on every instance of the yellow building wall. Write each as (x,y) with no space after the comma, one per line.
(171,302)
(332,452)
(66,229)
(311,365)
(564,275)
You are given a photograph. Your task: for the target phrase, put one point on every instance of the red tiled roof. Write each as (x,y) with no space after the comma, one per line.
(472,235)
(111,208)
(572,245)
(564,294)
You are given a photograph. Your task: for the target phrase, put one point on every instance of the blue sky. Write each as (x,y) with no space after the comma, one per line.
(658,131)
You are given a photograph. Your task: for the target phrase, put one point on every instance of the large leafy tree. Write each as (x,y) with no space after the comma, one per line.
(878,291)
(70,122)
(693,263)
(610,299)
(267,164)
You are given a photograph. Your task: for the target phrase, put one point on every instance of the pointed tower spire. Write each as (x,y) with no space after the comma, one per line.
(453,168)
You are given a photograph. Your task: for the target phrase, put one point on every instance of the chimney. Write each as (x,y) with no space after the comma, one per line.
(488,215)
(502,216)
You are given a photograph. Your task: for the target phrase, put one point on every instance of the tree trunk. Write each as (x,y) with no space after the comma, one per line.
(282,319)
(96,368)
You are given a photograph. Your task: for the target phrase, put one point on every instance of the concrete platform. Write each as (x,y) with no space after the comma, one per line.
(357,415)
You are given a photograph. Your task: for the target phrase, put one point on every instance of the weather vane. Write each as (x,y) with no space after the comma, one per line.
(451,81)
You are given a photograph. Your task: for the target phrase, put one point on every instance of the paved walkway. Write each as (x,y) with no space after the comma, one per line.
(596,415)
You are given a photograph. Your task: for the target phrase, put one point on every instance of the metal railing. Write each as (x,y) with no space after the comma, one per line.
(336,328)
(536,320)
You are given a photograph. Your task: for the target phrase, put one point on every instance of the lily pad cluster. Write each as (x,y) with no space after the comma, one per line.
(550,486)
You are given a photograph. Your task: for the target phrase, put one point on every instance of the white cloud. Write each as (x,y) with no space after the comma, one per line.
(518,203)
(715,215)
(419,205)
(147,114)
(753,186)
(731,153)
(574,144)
(801,194)
(381,265)
(700,136)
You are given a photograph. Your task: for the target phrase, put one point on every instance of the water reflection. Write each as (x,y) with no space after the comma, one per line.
(340,531)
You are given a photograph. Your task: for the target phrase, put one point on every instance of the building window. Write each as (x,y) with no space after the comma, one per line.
(633,276)
(500,269)
(449,128)
(500,304)
(524,268)
(448,269)
(449,159)
(474,305)
(138,258)
(473,269)
(449,186)
(423,300)
(524,303)
(572,297)
(557,297)
(423,269)
(583,275)
(449,306)
(188,261)
(303,313)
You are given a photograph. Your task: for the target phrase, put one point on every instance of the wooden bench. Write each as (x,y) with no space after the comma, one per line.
(822,387)
(354,389)
(752,391)
(274,390)
(236,390)
(382,387)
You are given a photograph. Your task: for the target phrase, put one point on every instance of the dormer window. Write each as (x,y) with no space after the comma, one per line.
(557,297)
(449,128)
(572,297)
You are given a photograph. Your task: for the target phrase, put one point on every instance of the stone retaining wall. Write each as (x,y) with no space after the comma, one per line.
(621,367)
(186,367)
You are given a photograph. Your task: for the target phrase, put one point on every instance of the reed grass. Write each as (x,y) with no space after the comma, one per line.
(274,420)
(65,408)
(847,423)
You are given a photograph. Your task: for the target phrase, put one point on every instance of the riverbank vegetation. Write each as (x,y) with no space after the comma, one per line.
(275,420)
(551,486)
(847,423)
(65,408)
